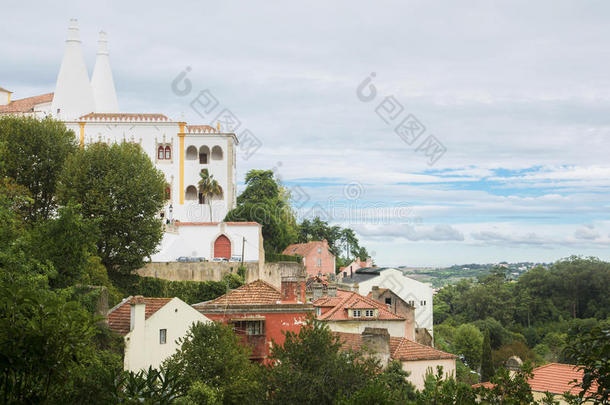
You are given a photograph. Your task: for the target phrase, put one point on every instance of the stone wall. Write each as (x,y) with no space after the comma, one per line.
(201,271)
(215,271)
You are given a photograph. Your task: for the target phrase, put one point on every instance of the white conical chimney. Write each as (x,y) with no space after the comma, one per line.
(73,96)
(104,92)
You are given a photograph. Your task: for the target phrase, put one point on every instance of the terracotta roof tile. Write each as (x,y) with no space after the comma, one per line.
(556,378)
(25,105)
(257,292)
(400,348)
(302,249)
(119,317)
(124,117)
(349,299)
(200,129)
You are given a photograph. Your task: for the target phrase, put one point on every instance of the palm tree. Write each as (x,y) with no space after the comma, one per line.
(209,188)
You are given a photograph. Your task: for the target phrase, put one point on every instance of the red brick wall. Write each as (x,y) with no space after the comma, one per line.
(275,323)
(327,260)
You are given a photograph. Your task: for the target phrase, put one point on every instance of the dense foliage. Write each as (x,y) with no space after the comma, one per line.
(119,187)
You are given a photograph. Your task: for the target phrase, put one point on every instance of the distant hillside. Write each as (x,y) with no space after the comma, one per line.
(441,276)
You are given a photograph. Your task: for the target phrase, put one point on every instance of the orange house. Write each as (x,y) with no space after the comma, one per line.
(317,258)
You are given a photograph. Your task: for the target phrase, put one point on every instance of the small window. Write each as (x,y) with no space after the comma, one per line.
(388,301)
(356,313)
(318,311)
(412,303)
(168,153)
(319,262)
(369,313)
(160,153)
(162,336)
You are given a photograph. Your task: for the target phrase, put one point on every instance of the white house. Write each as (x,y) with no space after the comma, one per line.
(413,292)
(151,328)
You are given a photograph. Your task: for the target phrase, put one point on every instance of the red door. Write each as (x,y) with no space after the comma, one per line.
(222,247)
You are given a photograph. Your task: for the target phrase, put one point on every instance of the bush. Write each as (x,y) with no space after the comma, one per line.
(271,257)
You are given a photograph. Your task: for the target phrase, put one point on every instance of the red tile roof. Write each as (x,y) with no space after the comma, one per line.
(401,349)
(123,117)
(351,300)
(556,378)
(25,105)
(257,292)
(302,249)
(200,129)
(119,317)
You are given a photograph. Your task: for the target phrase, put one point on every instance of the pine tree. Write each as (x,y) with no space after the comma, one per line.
(487,367)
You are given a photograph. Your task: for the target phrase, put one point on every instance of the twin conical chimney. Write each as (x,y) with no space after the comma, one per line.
(102,83)
(73,95)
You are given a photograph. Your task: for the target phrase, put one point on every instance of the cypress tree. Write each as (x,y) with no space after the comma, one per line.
(487,367)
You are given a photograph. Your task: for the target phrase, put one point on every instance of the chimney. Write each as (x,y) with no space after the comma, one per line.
(102,83)
(377,341)
(375,293)
(73,95)
(293,288)
(138,312)
(317,291)
(332,290)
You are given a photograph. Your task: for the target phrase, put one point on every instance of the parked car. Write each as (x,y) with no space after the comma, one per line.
(220,259)
(182,259)
(235,259)
(186,259)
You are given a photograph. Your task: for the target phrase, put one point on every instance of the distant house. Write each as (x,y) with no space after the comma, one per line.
(414,292)
(350,312)
(317,257)
(357,264)
(259,312)
(555,378)
(415,358)
(150,328)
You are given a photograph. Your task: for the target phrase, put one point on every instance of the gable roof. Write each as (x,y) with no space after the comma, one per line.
(302,249)
(401,348)
(25,105)
(257,292)
(351,300)
(119,317)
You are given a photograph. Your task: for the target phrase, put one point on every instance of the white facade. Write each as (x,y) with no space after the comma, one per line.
(419,368)
(396,328)
(197,240)
(411,291)
(143,347)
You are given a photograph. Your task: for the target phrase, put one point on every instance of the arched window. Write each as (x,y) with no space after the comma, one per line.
(191,193)
(160,153)
(217,153)
(191,153)
(168,153)
(204,152)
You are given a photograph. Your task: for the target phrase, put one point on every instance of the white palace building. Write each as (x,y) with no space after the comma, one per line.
(179,150)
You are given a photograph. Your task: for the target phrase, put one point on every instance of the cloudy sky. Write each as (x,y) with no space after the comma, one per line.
(442,132)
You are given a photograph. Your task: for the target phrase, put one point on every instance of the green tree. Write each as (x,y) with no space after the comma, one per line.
(33,152)
(508,389)
(442,390)
(209,188)
(311,368)
(119,187)
(591,351)
(468,342)
(212,362)
(487,367)
(45,342)
(266,202)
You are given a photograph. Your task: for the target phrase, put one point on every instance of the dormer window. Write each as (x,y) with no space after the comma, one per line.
(369,313)
(356,313)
